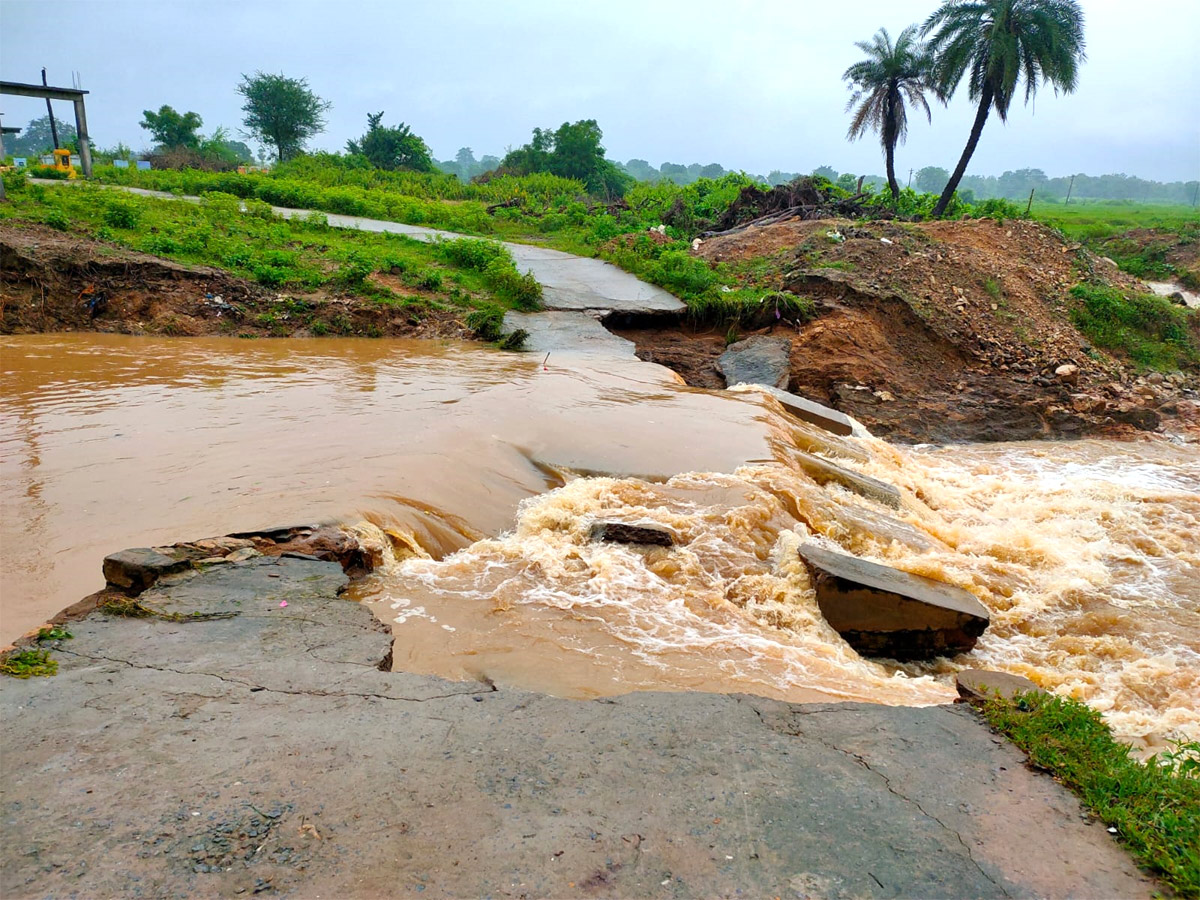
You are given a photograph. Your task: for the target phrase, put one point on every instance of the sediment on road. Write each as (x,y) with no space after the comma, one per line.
(243,734)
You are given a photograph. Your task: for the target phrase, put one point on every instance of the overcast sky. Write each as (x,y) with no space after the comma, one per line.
(754,85)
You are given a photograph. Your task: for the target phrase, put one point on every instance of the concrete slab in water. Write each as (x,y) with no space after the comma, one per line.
(569,332)
(823,471)
(814,413)
(881,611)
(758,359)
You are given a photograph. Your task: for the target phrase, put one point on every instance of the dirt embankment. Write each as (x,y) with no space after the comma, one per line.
(939,331)
(50,281)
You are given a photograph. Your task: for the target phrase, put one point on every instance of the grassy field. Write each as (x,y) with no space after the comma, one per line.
(294,254)
(1092,220)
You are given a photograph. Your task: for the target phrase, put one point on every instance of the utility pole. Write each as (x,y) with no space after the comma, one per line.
(50,111)
(909,178)
(1070,187)
(1030,205)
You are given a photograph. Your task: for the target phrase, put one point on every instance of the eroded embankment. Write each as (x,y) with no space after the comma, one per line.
(940,331)
(242,738)
(53,282)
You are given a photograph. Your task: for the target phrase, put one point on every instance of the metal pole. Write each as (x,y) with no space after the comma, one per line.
(50,111)
(85,150)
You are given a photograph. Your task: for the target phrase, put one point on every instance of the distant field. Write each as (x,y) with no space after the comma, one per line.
(1096,220)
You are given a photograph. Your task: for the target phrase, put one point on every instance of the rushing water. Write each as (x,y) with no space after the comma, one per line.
(487,468)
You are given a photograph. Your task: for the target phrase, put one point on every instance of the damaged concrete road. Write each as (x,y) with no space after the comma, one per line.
(266,751)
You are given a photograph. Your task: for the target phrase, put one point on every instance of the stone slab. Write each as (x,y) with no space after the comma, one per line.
(758,359)
(632,533)
(980,684)
(881,611)
(136,569)
(823,471)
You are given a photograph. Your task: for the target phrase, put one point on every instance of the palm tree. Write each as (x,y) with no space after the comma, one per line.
(1001,42)
(890,75)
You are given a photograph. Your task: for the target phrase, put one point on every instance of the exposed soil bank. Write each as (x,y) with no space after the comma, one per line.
(940,331)
(55,282)
(252,744)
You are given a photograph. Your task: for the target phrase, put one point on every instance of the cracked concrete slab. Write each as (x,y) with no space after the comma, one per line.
(268,752)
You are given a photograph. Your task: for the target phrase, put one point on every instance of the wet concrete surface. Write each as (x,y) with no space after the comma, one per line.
(266,752)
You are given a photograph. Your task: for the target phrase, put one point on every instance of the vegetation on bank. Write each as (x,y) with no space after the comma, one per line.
(1150,330)
(301,254)
(1153,807)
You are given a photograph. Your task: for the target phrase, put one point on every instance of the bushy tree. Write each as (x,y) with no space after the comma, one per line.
(36,138)
(931,179)
(172,129)
(892,76)
(281,112)
(573,150)
(996,44)
(828,172)
(392,148)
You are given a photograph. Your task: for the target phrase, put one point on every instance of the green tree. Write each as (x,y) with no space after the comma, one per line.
(573,150)
(827,172)
(281,112)
(392,148)
(172,129)
(931,179)
(892,76)
(996,44)
(36,138)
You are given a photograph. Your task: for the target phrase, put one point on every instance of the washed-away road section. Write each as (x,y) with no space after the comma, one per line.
(267,752)
(254,742)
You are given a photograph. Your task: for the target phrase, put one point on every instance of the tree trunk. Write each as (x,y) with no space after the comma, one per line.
(891,170)
(889,140)
(985,106)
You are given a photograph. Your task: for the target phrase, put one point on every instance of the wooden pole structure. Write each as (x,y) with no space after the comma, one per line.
(81,133)
(75,95)
(1070,187)
(50,112)
(1029,206)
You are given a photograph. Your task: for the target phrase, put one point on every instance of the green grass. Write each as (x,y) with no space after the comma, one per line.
(546,210)
(1093,220)
(1152,331)
(297,254)
(28,664)
(1153,805)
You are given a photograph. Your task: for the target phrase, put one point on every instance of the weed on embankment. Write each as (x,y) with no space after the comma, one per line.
(1152,331)
(1153,807)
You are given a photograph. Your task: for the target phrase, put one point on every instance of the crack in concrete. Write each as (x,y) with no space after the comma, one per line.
(259,687)
(887,783)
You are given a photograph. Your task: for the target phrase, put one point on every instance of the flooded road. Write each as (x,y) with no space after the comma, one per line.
(488,468)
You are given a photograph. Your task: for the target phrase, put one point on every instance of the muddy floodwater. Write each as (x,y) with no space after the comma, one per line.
(485,470)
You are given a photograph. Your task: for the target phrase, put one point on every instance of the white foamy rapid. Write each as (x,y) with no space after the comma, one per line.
(1087,555)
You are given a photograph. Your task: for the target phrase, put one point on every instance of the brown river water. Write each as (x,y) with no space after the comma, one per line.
(485,470)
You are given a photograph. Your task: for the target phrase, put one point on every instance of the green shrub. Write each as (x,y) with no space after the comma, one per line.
(28,663)
(56,218)
(1152,331)
(486,322)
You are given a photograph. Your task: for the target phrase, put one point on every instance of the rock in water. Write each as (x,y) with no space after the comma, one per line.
(881,611)
(632,533)
(137,569)
(757,360)
(980,684)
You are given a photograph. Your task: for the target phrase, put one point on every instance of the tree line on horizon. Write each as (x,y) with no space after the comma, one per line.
(995,46)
